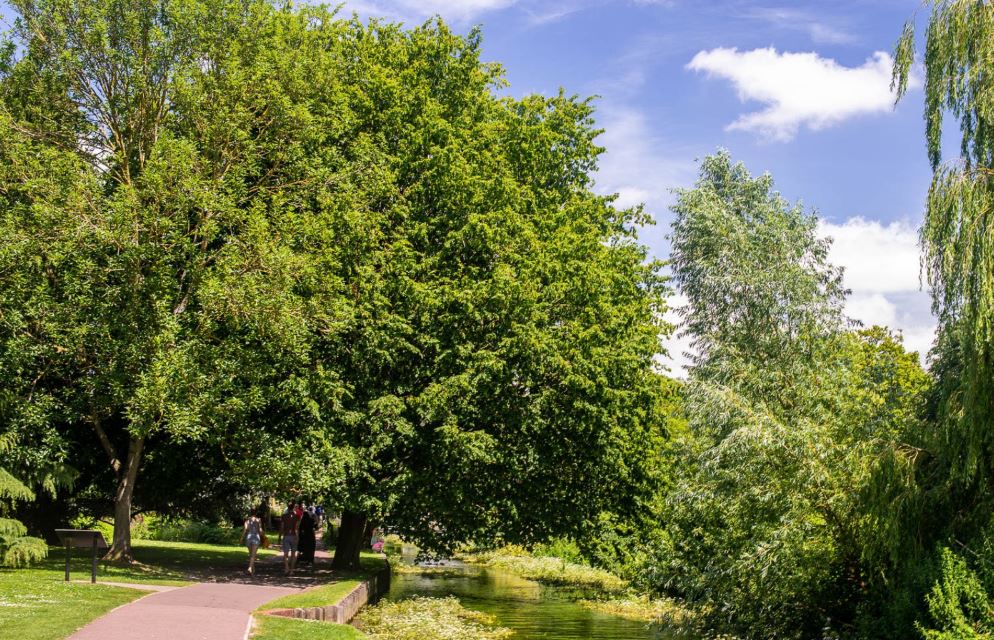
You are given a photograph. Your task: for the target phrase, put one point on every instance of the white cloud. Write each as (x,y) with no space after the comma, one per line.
(462,9)
(799,88)
(877,258)
(797,20)
(678,348)
(881,265)
(871,308)
(537,18)
(637,164)
(823,33)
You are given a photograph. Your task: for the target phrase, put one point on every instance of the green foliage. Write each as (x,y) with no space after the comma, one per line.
(957,250)
(958,604)
(791,415)
(418,618)
(563,548)
(186,530)
(755,270)
(16,547)
(330,250)
(548,569)
(936,491)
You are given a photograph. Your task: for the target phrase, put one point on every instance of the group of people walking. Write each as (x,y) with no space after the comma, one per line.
(298,536)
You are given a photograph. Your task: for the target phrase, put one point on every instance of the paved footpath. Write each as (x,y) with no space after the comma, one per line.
(206,611)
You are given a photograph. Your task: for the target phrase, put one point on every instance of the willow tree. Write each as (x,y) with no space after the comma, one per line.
(958,251)
(789,408)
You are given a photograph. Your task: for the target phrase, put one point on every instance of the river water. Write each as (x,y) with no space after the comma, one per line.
(532,610)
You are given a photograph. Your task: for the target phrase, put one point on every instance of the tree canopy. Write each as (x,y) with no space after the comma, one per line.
(333,250)
(790,409)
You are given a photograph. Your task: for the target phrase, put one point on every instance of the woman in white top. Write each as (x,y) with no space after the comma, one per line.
(252,536)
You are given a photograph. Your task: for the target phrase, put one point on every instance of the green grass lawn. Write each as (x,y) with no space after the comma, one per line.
(36,604)
(179,562)
(275,628)
(168,563)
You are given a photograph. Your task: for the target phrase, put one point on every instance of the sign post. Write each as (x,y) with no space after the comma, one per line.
(82,539)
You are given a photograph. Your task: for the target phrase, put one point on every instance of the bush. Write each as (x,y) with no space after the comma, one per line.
(185,530)
(562,548)
(958,603)
(153,526)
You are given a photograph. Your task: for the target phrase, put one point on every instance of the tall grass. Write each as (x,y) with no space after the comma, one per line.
(424,618)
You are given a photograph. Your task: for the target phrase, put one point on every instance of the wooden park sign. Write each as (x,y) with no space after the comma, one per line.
(82,539)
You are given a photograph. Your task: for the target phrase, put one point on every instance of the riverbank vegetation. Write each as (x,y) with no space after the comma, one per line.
(547,569)
(663,612)
(420,618)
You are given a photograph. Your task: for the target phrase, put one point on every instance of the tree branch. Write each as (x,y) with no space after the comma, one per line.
(115,462)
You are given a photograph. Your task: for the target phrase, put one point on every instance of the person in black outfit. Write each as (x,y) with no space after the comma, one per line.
(307,541)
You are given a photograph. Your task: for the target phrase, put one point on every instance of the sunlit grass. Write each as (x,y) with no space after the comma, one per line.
(331,592)
(37,604)
(276,628)
(321,596)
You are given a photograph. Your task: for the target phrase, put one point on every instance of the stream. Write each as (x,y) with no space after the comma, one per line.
(532,610)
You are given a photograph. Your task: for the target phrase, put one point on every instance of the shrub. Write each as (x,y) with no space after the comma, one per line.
(185,530)
(958,603)
(563,548)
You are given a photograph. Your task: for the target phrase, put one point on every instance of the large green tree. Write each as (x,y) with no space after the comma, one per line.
(791,410)
(938,492)
(157,260)
(334,249)
(498,356)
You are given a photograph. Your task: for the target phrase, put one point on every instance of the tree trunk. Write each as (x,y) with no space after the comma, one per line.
(350,541)
(120,549)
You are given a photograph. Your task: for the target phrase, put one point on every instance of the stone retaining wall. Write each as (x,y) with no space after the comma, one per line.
(369,591)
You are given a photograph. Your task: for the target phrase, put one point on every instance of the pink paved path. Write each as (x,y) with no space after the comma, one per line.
(206,611)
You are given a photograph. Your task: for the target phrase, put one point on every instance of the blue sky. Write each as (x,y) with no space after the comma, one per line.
(799,89)
(796,88)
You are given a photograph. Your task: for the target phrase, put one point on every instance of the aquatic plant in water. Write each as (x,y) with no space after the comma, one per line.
(420,618)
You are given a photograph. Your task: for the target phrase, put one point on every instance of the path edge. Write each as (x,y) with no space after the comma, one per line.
(369,591)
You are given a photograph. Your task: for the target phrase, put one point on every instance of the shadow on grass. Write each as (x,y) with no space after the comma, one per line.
(177,563)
